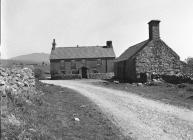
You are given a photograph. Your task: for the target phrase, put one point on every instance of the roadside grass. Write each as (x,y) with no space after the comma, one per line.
(51,116)
(61,105)
(178,95)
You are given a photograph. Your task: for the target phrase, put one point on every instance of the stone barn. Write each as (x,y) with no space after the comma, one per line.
(81,61)
(152,56)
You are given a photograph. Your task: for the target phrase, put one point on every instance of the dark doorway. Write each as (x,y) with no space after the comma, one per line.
(143,77)
(84,72)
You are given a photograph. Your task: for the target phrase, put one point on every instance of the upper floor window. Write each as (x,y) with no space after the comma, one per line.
(62,65)
(99,61)
(84,62)
(73,64)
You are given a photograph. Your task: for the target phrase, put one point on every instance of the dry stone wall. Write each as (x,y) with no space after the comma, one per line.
(100,75)
(17,88)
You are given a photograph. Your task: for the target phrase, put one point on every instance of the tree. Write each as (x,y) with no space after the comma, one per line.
(189,61)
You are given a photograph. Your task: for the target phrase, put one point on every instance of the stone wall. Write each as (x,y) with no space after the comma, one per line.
(157,58)
(17,90)
(66,76)
(100,75)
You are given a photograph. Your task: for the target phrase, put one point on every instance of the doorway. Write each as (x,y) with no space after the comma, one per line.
(84,72)
(143,77)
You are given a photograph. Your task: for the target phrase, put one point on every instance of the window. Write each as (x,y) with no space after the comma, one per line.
(73,64)
(84,62)
(75,71)
(63,72)
(62,65)
(95,71)
(99,61)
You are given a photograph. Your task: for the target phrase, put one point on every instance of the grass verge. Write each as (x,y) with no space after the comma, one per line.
(62,105)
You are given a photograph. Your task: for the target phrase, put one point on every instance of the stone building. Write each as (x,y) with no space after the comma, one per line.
(151,56)
(81,61)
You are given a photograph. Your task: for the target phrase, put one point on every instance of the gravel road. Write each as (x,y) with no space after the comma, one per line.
(138,117)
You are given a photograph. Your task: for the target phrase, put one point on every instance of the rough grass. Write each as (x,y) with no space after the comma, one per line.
(60,105)
(51,117)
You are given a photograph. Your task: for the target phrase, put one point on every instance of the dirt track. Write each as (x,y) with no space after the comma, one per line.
(136,116)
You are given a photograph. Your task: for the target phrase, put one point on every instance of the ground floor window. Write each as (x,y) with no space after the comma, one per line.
(75,71)
(99,61)
(95,71)
(73,64)
(62,65)
(63,72)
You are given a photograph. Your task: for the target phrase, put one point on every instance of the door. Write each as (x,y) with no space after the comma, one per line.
(84,72)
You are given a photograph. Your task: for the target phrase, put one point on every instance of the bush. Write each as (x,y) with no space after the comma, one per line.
(39,74)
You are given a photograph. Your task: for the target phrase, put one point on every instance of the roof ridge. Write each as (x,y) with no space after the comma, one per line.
(82,52)
(79,47)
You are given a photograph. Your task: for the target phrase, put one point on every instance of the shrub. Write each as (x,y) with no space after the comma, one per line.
(39,74)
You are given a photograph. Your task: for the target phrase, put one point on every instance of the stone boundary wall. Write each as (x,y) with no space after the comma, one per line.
(100,75)
(66,76)
(16,84)
(17,90)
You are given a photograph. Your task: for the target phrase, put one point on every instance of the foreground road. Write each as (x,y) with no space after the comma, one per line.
(136,116)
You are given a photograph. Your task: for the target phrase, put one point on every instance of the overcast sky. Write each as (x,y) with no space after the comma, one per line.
(28,26)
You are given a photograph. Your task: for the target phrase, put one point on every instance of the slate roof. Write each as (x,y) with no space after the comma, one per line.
(133,50)
(82,52)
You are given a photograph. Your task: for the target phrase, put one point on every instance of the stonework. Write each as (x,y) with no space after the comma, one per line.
(81,61)
(91,66)
(157,58)
(100,75)
(153,56)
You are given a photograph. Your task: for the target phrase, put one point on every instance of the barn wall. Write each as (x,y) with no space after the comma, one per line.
(125,70)
(130,73)
(157,58)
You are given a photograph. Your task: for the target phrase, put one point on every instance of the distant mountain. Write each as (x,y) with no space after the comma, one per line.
(33,58)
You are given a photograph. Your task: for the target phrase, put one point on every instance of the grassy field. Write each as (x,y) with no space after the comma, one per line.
(178,95)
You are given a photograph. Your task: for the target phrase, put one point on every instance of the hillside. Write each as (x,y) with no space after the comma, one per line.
(34,57)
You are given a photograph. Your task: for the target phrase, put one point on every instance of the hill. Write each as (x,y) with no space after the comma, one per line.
(33,58)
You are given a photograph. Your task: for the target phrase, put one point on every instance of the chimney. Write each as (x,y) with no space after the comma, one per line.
(53,44)
(109,44)
(154,29)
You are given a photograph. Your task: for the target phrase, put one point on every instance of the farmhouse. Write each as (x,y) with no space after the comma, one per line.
(151,56)
(81,61)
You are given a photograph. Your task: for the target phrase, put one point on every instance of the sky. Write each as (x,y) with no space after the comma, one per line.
(28,26)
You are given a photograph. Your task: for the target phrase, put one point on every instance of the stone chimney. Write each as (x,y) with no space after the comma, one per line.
(154,30)
(109,44)
(53,44)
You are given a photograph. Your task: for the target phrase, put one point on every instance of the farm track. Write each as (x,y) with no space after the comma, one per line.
(136,116)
